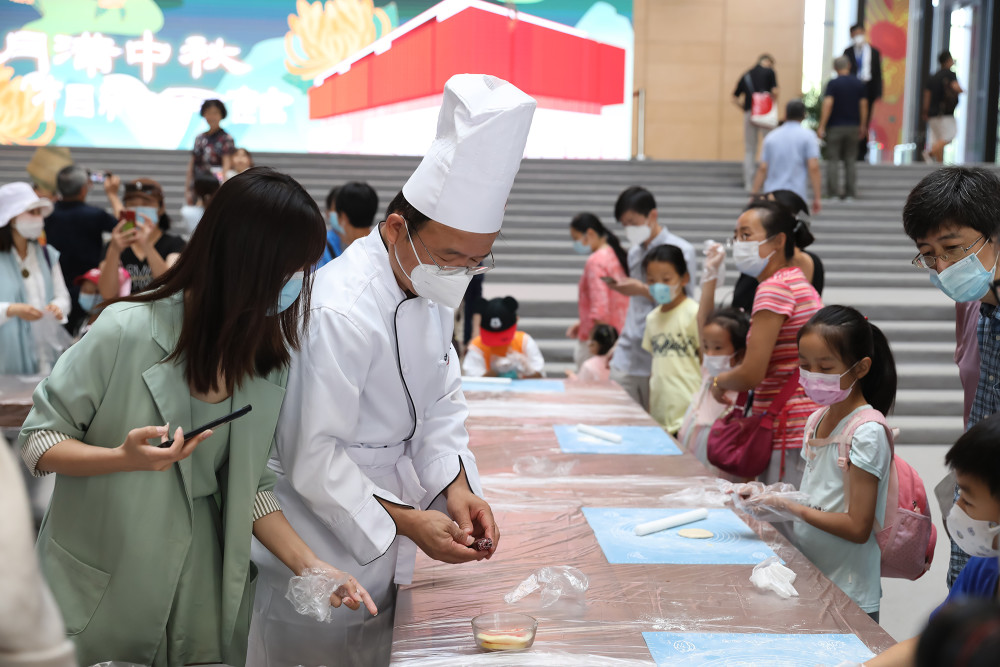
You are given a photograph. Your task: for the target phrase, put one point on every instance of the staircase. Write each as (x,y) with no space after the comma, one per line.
(864,251)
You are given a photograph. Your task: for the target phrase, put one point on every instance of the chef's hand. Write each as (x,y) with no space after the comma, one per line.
(439,537)
(351,594)
(472,513)
(138,454)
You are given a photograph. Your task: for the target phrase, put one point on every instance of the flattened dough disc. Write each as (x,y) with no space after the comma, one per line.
(695,533)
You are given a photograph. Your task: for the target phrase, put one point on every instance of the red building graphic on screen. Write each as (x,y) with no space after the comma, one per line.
(558,65)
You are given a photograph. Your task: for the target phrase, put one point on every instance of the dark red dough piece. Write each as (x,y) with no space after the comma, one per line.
(483,544)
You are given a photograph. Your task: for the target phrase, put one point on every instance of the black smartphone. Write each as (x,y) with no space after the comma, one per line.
(210,425)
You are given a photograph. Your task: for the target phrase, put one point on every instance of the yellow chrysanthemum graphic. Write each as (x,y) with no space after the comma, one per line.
(22,122)
(327,32)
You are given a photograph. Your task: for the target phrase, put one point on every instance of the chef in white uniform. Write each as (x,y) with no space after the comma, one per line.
(372,451)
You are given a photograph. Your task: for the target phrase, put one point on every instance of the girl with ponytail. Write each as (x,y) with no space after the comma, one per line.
(846,365)
(606,263)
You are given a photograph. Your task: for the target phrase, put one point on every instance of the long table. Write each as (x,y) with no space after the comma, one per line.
(541,522)
(15,398)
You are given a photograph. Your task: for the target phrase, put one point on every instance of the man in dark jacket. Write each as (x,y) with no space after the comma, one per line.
(866,64)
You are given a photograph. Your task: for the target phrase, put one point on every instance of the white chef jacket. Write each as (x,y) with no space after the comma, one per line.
(357,422)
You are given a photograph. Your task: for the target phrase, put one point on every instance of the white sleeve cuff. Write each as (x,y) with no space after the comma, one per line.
(264,503)
(37,444)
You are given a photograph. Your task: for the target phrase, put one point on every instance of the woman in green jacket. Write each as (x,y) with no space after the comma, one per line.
(146,548)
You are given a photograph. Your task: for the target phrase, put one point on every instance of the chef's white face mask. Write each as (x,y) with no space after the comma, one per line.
(443,285)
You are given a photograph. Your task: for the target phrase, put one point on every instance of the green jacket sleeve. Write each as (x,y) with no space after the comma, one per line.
(67,400)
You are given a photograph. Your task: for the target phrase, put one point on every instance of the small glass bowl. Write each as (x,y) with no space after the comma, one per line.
(504,631)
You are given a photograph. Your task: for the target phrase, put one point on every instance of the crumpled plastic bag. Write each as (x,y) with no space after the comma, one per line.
(539,466)
(771,575)
(513,365)
(51,340)
(701,496)
(757,500)
(310,593)
(555,581)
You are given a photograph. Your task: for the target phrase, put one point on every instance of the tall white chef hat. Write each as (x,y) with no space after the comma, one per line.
(465,178)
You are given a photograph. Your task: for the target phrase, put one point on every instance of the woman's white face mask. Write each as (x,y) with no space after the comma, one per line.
(29,225)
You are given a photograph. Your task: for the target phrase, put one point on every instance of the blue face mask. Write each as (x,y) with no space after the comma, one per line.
(334,223)
(88,301)
(966,279)
(581,248)
(149,211)
(290,292)
(663,293)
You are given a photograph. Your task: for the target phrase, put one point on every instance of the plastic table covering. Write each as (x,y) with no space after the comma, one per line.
(541,523)
(15,398)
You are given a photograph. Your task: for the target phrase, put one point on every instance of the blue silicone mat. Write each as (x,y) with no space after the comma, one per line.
(704,649)
(635,440)
(733,543)
(516,386)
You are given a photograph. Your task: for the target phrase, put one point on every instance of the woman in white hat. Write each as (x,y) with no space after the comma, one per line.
(31,282)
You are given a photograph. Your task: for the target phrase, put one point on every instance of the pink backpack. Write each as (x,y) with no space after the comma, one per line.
(908,538)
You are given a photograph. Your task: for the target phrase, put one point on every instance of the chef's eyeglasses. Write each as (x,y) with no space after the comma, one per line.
(453,270)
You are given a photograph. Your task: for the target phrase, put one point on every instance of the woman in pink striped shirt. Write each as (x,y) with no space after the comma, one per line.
(598,304)
(764,244)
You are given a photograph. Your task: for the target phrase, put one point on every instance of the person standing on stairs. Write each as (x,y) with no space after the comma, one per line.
(758,79)
(636,211)
(953,217)
(597,303)
(790,158)
(866,64)
(842,122)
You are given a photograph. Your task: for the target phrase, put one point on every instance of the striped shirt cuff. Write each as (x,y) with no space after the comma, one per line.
(37,444)
(264,503)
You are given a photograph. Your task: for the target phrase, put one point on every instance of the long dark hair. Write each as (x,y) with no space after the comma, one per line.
(259,229)
(853,337)
(582,222)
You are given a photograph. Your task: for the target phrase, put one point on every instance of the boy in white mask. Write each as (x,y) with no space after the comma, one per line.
(636,210)
(31,282)
(974,524)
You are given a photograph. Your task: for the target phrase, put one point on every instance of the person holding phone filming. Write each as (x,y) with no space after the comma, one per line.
(147,548)
(139,242)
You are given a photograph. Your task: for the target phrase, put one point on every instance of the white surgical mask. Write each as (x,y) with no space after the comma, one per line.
(746,257)
(716,364)
(428,281)
(637,234)
(974,536)
(29,225)
(859,40)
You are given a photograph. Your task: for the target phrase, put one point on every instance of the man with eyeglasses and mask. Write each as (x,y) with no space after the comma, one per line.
(953,215)
(372,452)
